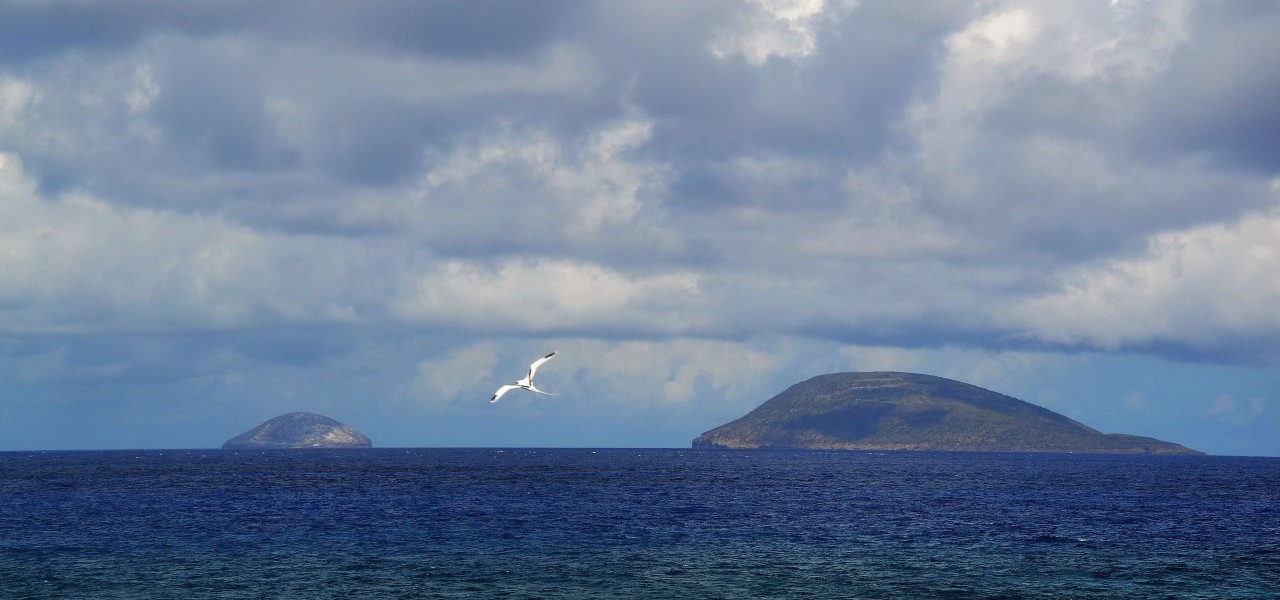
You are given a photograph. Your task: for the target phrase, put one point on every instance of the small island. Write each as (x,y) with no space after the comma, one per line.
(299,430)
(908,411)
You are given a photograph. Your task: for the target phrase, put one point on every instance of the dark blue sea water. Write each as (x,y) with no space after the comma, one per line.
(522,523)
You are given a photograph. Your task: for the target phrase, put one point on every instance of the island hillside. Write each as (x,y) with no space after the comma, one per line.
(299,430)
(907,411)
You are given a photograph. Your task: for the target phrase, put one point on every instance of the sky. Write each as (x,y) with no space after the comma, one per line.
(215,213)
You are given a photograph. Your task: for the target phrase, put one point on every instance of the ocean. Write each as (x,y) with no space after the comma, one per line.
(618,523)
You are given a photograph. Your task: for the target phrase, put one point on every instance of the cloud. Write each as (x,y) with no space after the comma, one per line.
(1032,142)
(79,264)
(913,188)
(548,296)
(1208,288)
(682,191)
(543,190)
(781,28)
(674,372)
(15,96)
(679,378)
(1239,414)
(443,379)
(1224,405)
(1214,98)
(36,30)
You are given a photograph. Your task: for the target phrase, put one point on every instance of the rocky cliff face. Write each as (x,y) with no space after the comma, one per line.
(906,411)
(299,430)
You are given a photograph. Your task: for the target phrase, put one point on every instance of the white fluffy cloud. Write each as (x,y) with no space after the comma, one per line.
(1029,141)
(549,296)
(466,369)
(782,28)
(79,264)
(1208,287)
(15,95)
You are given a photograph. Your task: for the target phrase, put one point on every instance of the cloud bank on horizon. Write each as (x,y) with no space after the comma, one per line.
(224,208)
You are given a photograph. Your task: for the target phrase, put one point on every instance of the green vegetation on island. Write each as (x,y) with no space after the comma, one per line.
(906,411)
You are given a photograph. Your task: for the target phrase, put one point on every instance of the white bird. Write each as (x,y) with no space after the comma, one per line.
(526,383)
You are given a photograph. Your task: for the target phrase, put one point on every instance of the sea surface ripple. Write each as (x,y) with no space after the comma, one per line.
(618,523)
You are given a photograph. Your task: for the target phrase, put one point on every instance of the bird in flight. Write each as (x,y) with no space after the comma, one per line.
(526,383)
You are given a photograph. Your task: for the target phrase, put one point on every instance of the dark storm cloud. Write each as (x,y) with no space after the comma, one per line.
(842,103)
(455,28)
(214,112)
(236,102)
(33,30)
(1219,94)
(450,28)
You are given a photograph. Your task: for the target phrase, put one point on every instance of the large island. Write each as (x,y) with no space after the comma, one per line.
(908,411)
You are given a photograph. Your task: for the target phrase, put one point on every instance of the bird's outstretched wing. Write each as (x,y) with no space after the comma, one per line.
(502,390)
(533,368)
